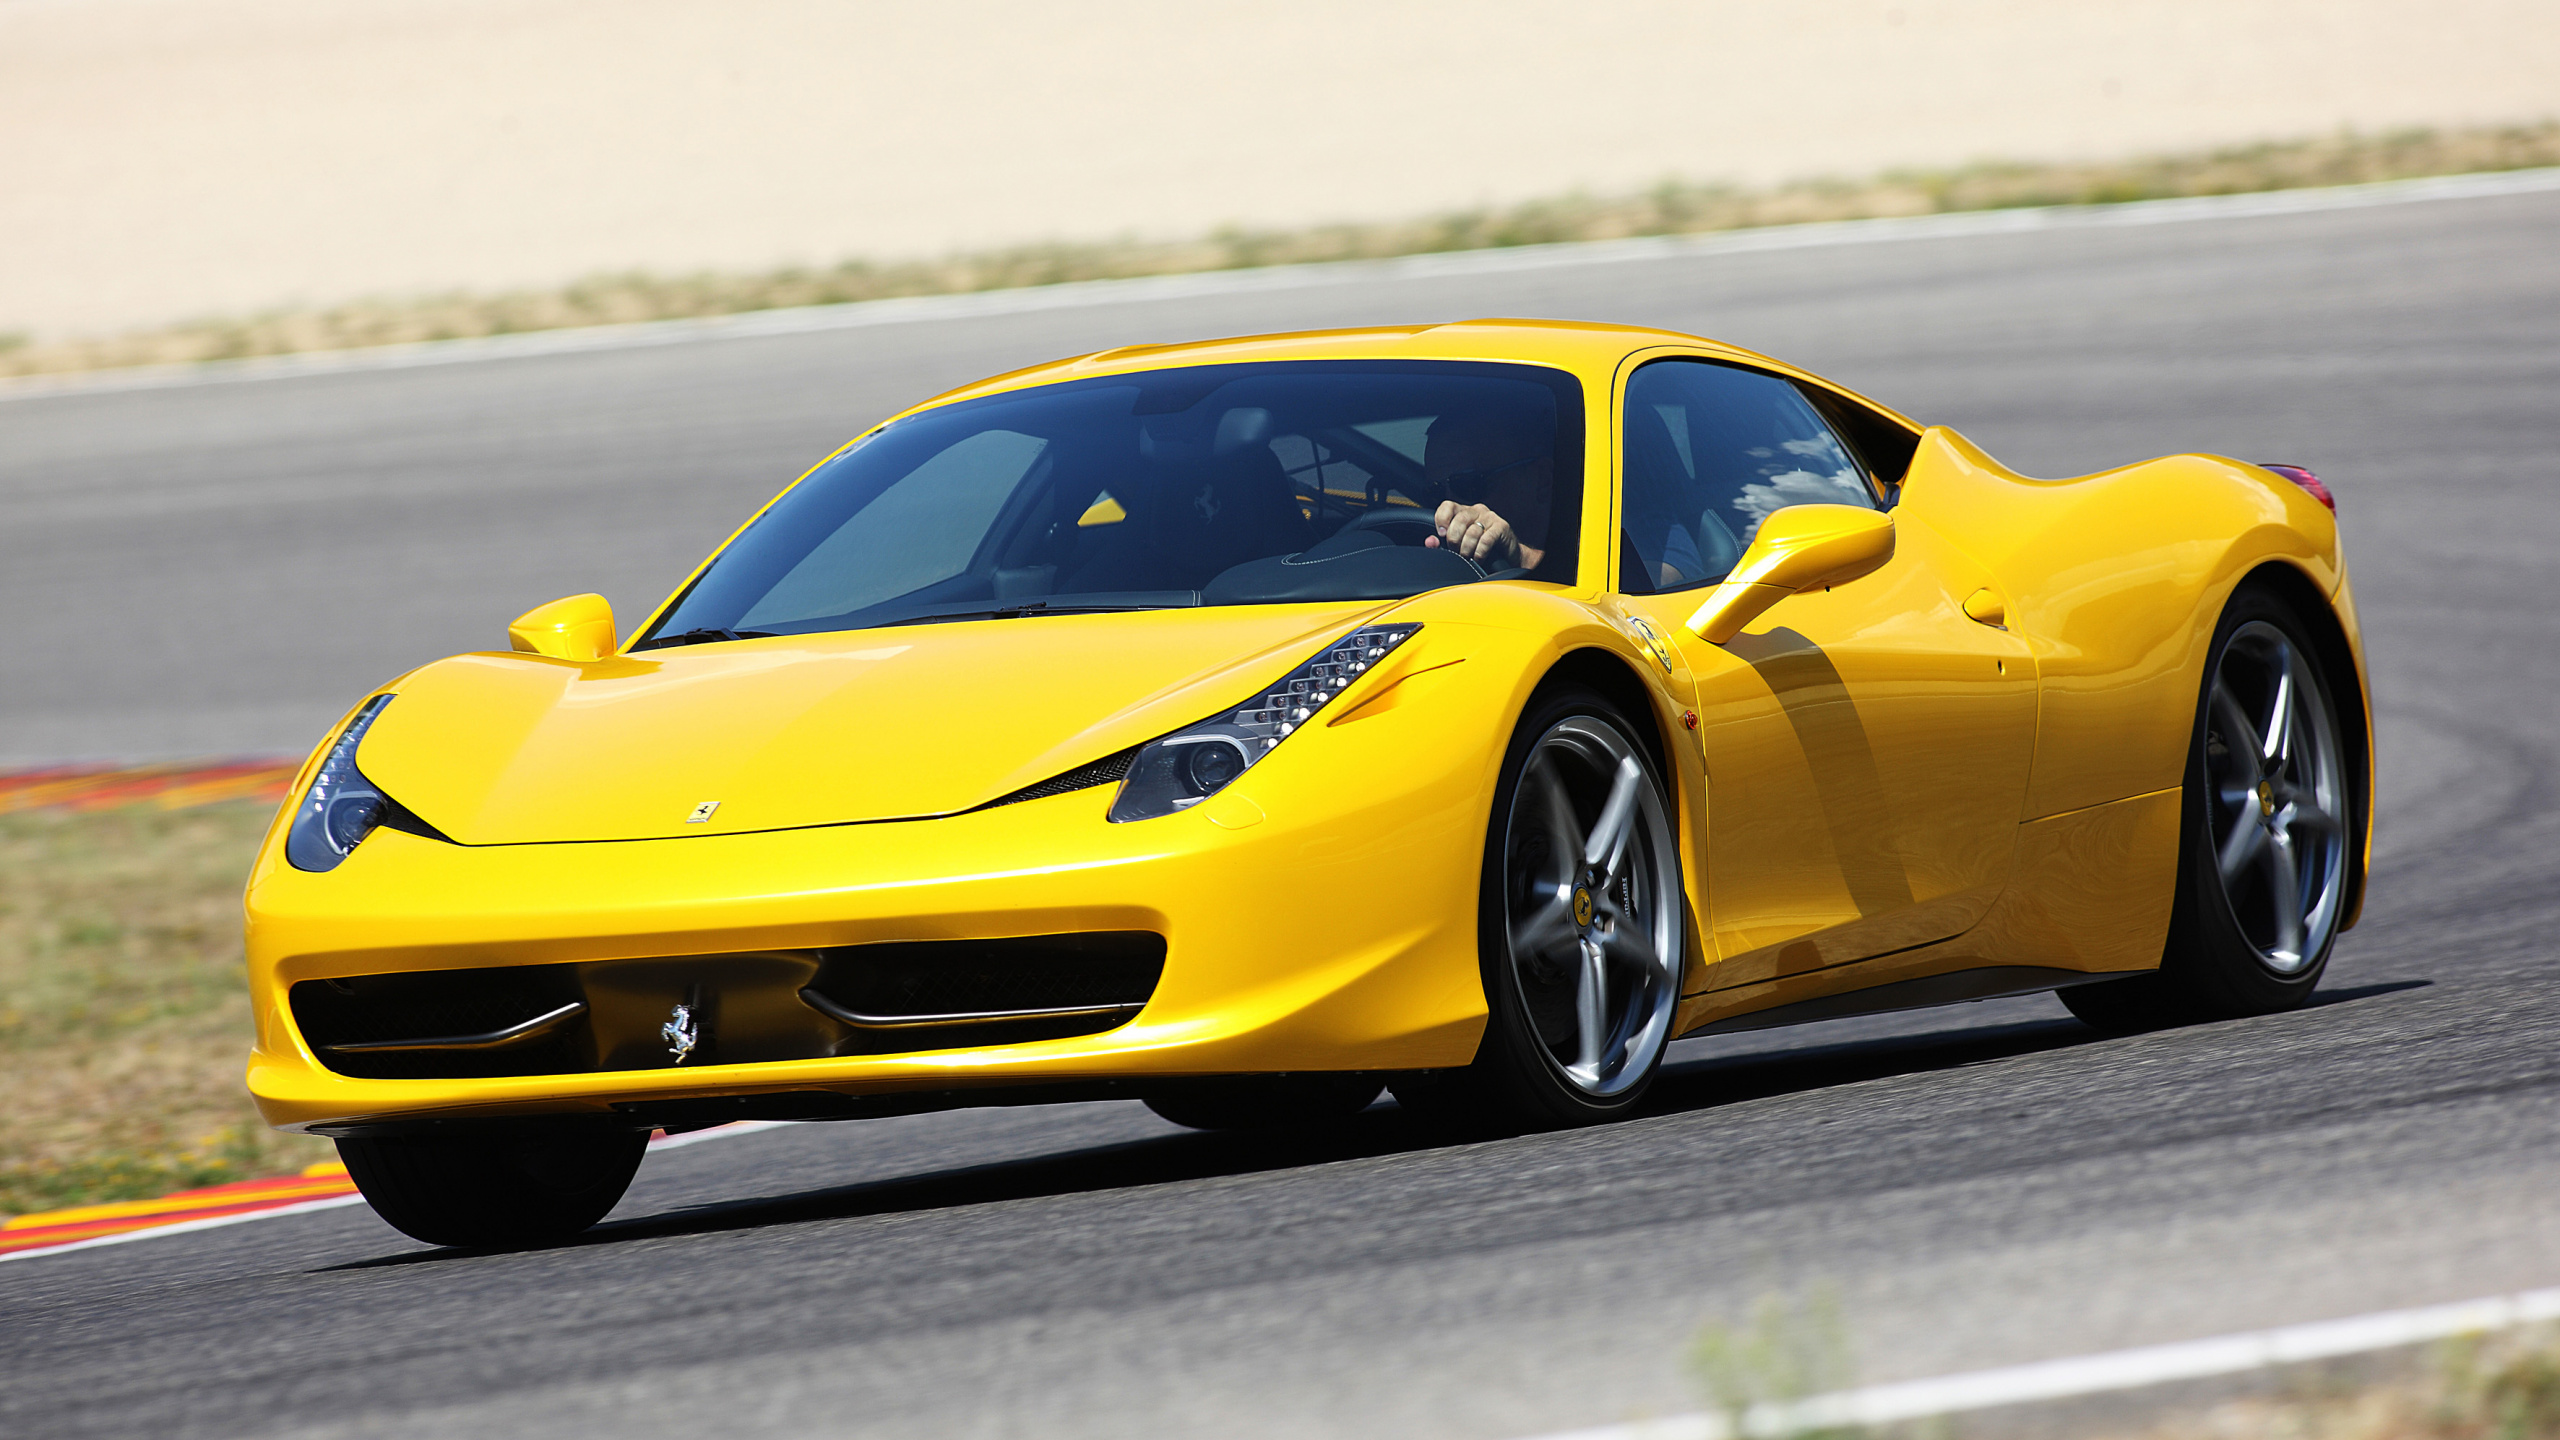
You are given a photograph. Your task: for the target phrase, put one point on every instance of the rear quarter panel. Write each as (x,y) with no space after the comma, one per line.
(2116,580)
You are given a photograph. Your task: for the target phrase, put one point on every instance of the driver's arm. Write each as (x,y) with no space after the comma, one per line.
(1479,534)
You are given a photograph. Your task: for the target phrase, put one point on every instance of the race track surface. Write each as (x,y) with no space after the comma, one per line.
(226,567)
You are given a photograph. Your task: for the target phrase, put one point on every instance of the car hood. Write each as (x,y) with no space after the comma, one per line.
(802,730)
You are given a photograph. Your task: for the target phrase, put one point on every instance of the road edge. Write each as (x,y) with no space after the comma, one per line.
(1083,294)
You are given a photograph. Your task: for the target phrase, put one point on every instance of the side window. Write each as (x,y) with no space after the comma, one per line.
(1711,451)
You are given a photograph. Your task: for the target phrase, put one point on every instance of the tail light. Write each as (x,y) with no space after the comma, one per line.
(2308,482)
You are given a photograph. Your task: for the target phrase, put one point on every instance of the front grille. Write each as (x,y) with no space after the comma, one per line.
(774,1005)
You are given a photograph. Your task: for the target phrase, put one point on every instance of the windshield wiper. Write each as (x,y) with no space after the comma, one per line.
(1029,607)
(702,636)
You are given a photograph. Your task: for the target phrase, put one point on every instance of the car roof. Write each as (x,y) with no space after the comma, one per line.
(1588,348)
(1585,347)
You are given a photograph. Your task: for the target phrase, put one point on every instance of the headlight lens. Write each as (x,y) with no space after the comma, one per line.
(1196,762)
(341,807)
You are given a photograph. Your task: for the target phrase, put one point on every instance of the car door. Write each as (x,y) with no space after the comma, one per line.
(1867,746)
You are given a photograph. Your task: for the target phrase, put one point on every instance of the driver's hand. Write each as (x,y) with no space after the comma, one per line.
(1477,533)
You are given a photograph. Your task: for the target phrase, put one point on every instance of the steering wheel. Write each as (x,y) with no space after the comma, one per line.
(1410,525)
(1404,524)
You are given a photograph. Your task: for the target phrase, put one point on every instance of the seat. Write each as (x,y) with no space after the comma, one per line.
(1657,551)
(1219,510)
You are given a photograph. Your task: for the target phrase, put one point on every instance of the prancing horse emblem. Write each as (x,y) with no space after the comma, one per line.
(680,1033)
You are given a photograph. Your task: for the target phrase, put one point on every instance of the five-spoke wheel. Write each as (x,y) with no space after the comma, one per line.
(2266,858)
(1584,922)
(1591,906)
(2275,791)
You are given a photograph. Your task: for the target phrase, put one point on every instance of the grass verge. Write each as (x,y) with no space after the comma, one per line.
(2502,1387)
(1787,1350)
(1672,208)
(124,1017)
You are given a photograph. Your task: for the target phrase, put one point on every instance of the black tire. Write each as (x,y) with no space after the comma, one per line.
(496,1191)
(2295,829)
(1267,1102)
(1627,928)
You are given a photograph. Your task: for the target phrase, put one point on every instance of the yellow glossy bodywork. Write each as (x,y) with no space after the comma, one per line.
(1967,758)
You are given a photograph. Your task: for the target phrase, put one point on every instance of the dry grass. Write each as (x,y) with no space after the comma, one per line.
(124,1019)
(1788,1350)
(1672,208)
(2495,1388)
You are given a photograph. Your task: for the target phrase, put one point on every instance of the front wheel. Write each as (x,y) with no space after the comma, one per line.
(2267,827)
(1583,926)
(494,1191)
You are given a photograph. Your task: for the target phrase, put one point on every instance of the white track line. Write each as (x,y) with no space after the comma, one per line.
(332,1202)
(2096,1374)
(1084,294)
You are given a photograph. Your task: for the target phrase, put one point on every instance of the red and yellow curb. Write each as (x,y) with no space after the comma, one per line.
(52,1228)
(318,1187)
(169,787)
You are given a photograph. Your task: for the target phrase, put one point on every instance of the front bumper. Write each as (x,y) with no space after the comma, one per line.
(1307,926)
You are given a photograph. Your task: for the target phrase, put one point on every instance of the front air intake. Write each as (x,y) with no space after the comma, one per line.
(513,1020)
(1037,987)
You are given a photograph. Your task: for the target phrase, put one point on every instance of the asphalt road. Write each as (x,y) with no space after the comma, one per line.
(224,567)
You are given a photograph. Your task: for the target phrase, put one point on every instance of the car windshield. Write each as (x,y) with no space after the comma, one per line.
(1208,485)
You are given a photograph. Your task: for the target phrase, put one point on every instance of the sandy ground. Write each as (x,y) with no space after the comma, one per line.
(166,158)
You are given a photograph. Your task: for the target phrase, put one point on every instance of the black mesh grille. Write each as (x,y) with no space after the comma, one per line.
(435,1005)
(1105,771)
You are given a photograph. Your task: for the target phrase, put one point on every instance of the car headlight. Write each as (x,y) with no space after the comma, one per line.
(341,807)
(1197,761)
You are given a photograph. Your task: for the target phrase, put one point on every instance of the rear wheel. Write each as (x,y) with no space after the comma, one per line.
(1583,927)
(494,1191)
(2266,828)
(1267,1102)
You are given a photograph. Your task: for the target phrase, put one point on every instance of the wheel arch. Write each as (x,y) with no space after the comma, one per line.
(1490,1089)
(1619,680)
(1622,685)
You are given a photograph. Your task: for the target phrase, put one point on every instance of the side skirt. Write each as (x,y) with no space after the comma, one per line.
(1990,982)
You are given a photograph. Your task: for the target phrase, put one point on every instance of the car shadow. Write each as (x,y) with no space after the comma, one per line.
(1685,1087)
(2320,998)
(1792,1069)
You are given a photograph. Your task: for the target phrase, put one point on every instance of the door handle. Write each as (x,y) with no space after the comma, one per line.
(1984,607)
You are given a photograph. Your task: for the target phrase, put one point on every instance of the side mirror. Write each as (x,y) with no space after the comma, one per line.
(578,628)
(1801,547)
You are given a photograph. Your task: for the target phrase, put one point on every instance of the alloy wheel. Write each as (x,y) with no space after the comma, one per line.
(2275,797)
(1592,907)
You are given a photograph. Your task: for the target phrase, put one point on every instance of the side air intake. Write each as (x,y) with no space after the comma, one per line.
(1109,770)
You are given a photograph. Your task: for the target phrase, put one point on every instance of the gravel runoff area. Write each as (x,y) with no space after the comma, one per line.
(162,160)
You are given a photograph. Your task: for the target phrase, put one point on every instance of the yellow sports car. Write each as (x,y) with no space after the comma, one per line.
(1249,726)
